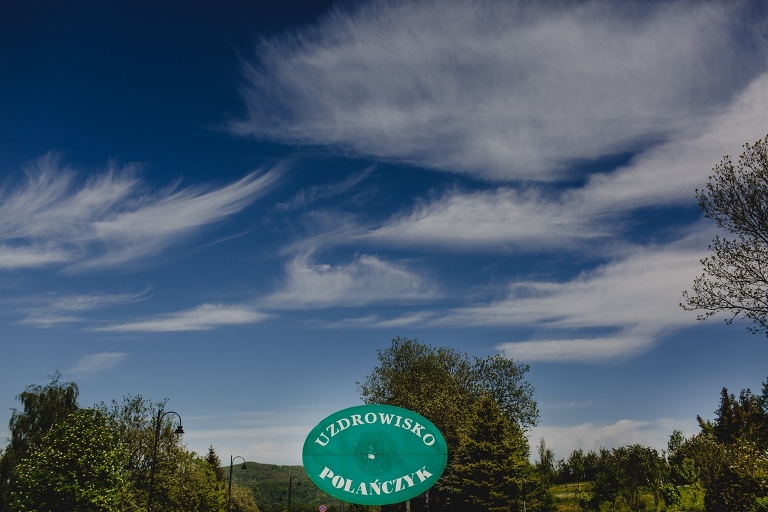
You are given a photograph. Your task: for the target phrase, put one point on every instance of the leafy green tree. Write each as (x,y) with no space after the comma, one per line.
(741,482)
(577,464)
(183,481)
(75,466)
(443,385)
(682,466)
(639,464)
(624,472)
(42,408)
(135,427)
(730,453)
(243,500)
(193,487)
(606,485)
(546,464)
(735,277)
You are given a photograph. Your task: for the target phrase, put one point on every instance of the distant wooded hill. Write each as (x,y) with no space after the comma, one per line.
(269,484)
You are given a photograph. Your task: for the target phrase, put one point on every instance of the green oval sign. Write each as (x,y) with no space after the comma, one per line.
(375,454)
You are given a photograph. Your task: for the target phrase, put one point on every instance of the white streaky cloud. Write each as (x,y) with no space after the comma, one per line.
(151,227)
(97,362)
(96,300)
(414,319)
(502,90)
(14,257)
(563,440)
(365,280)
(316,193)
(642,289)
(669,173)
(109,219)
(47,320)
(202,318)
(609,348)
(530,220)
(500,219)
(49,310)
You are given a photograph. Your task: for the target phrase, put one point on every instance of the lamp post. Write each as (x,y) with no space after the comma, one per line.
(229,491)
(158,427)
(290,481)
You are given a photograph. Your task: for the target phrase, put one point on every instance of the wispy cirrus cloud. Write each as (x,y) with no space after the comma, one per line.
(532,218)
(97,362)
(504,218)
(88,301)
(317,193)
(109,219)
(640,288)
(366,279)
(201,318)
(502,90)
(634,298)
(623,345)
(50,310)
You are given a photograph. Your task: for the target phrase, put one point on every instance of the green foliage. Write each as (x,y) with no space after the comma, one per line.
(728,457)
(744,419)
(269,486)
(671,495)
(735,279)
(243,499)
(441,384)
(193,487)
(214,461)
(546,464)
(741,479)
(490,465)
(76,466)
(453,391)
(626,472)
(183,481)
(43,408)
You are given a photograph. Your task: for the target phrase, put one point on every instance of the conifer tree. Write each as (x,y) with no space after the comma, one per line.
(491,471)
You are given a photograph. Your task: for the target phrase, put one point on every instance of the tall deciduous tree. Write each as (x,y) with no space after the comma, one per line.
(42,408)
(624,472)
(444,385)
(441,384)
(243,499)
(577,465)
(735,277)
(77,465)
(182,480)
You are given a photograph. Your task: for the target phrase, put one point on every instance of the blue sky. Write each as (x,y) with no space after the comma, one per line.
(235,207)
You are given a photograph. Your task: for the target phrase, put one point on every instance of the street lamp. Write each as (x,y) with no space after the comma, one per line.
(158,427)
(290,481)
(229,492)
